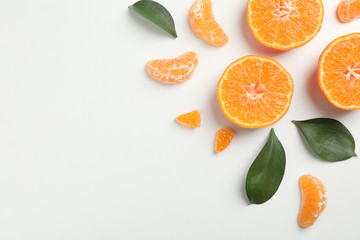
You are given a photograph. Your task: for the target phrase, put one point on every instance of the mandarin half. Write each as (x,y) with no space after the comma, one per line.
(285,24)
(339,72)
(255,92)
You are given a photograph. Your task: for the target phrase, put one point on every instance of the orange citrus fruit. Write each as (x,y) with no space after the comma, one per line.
(173,70)
(203,23)
(339,72)
(313,200)
(348,10)
(285,24)
(191,119)
(255,92)
(223,139)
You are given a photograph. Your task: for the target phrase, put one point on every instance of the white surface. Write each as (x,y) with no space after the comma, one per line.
(89,148)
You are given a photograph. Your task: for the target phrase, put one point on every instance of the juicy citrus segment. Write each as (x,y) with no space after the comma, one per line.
(339,72)
(285,24)
(203,23)
(173,70)
(313,200)
(255,92)
(348,10)
(223,139)
(191,119)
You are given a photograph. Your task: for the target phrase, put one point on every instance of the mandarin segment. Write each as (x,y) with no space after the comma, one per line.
(230,94)
(173,70)
(339,72)
(356,100)
(255,92)
(276,101)
(265,110)
(284,24)
(348,10)
(191,119)
(223,139)
(313,200)
(203,23)
(274,82)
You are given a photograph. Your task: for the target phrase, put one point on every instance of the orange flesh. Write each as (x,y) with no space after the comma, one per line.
(203,23)
(339,72)
(173,70)
(285,24)
(191,119)
(313,200)
(348,10)
(255,92)
(223,139)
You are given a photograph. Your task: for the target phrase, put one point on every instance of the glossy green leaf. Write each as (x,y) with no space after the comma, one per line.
(328,138)
(266,172)
(155,13)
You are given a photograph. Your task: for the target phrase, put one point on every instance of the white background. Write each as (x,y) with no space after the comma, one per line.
(89,148)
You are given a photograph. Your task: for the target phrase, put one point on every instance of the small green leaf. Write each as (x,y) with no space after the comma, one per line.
(328,138)
(266,172)
(155,13)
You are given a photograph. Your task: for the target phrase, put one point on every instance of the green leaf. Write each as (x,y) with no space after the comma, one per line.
(266,172)
(155,13)
(328,138)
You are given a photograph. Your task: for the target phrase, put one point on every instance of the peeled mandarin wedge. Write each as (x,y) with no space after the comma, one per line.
(223,139)
(313,200)
(173,70)
(339,72)
(285,24)
(348,10)
(255,92)
(191,119)
(203,23)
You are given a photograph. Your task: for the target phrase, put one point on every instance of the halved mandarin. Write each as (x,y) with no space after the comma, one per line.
(339,72)
(313,200)
(223,139)
(255,92)
(203,23)
(285,24)
(348,10)
(173,70)
(190,119)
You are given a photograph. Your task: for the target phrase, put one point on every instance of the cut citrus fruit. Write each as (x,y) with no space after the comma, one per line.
(191,119)
(285,24)
(173,70)
(339,72)
(313,200)
(348,10)
(255,92)
(223,139)
(203,23)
